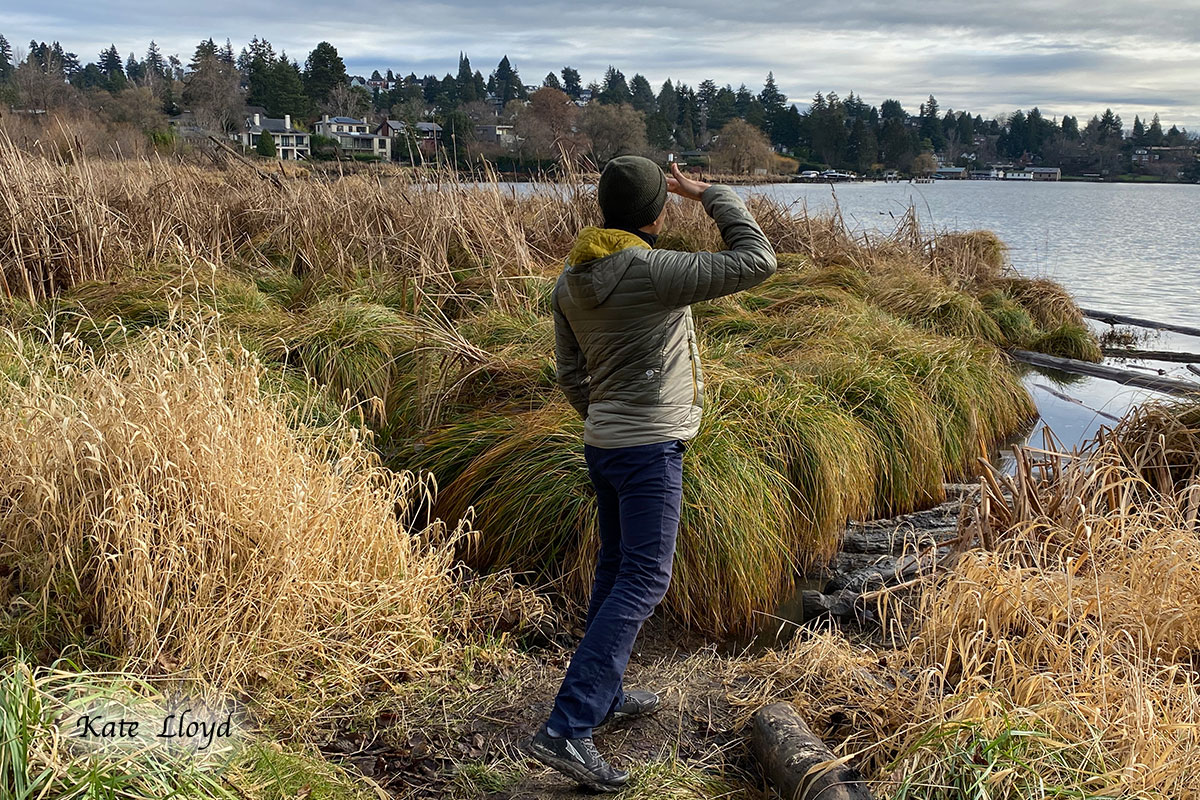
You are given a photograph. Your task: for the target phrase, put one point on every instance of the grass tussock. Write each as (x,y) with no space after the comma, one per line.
(1058,658)
(853,383)
(160,505)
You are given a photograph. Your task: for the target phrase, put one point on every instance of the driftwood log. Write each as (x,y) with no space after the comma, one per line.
(1152,355)
(797,762)
(1159,383)
(1122,319)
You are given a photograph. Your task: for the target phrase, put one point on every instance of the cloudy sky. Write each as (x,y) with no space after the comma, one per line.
(1067,57)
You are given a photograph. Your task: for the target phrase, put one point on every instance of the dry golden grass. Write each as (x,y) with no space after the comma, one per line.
(161,502)
(1058,659)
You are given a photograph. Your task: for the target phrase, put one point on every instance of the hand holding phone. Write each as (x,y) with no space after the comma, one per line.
(678,183)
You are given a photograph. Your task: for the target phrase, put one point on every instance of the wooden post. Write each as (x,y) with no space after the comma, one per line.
(798,762)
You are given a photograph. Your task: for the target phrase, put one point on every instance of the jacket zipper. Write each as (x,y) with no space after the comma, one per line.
(692,361)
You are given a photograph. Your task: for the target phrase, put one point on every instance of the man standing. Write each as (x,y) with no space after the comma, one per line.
(628,362)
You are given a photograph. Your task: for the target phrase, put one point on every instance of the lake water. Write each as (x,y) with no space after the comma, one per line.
(1131,248)
(1127,248)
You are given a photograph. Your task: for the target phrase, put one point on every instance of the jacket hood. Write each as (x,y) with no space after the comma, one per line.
(595,266)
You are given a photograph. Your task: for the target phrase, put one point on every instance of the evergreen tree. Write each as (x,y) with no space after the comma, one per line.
(1110,126)
(288,89)
(226,53)
(154,67)
(642,96)
(6,63)
(133,70)
(931,125)
(1070,128)
(110,62)
(570,82)
(706,94)
(1139,130)
(771,98)
(257,62)
(721,109)
(465,81)
(1154,134)
(616,90)
(668,103)
(506,83)
(741,101)
(551,82)
(207,49)
(323,69)
(265,146)
(891,109)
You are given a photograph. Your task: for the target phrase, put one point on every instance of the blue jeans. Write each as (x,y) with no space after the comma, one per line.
(638,493)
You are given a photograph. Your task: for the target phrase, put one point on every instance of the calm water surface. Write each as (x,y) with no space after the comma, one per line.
(1128,248)
(1132,248)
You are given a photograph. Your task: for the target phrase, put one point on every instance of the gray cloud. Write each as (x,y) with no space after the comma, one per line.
(1067,57)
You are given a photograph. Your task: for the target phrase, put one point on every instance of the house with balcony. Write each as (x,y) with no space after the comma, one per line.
(291,143)
(424,137)
(503,135)
(354,137)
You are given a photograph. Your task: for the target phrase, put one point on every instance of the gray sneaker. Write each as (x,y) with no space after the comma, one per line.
(578,759)
(637,703)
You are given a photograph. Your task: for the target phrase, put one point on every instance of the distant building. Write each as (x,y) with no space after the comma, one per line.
(354,137)
(1045,173)
(186,126)
(502,135)
(425,135)
(291,143)
(1018,175)
(990,174)
(951,173)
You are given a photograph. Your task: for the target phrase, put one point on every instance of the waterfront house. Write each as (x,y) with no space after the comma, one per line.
(1045,173)
(1018,175)
(424,137)
(354,137)
(951,173)
(291,143)
(502,135)
(990,174)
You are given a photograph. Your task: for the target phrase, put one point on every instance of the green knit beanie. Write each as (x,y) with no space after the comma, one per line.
(632,193)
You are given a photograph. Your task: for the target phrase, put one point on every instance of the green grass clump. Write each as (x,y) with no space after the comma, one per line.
(1068,340)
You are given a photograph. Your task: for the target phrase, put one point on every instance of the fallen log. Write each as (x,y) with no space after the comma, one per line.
(1152,355)
(1159,383)
(798,762)
(1122,319)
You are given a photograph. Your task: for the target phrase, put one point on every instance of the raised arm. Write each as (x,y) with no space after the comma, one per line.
(682,279)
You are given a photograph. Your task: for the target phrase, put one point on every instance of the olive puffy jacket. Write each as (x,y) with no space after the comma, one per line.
(625,344)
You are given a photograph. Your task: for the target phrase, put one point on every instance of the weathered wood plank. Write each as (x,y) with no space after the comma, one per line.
(1161,383)
(798,762)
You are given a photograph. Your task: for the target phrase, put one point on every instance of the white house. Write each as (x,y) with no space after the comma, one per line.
(290,143)
(354,137)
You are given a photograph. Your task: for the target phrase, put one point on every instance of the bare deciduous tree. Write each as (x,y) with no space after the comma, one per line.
(613,130)
(740,148)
